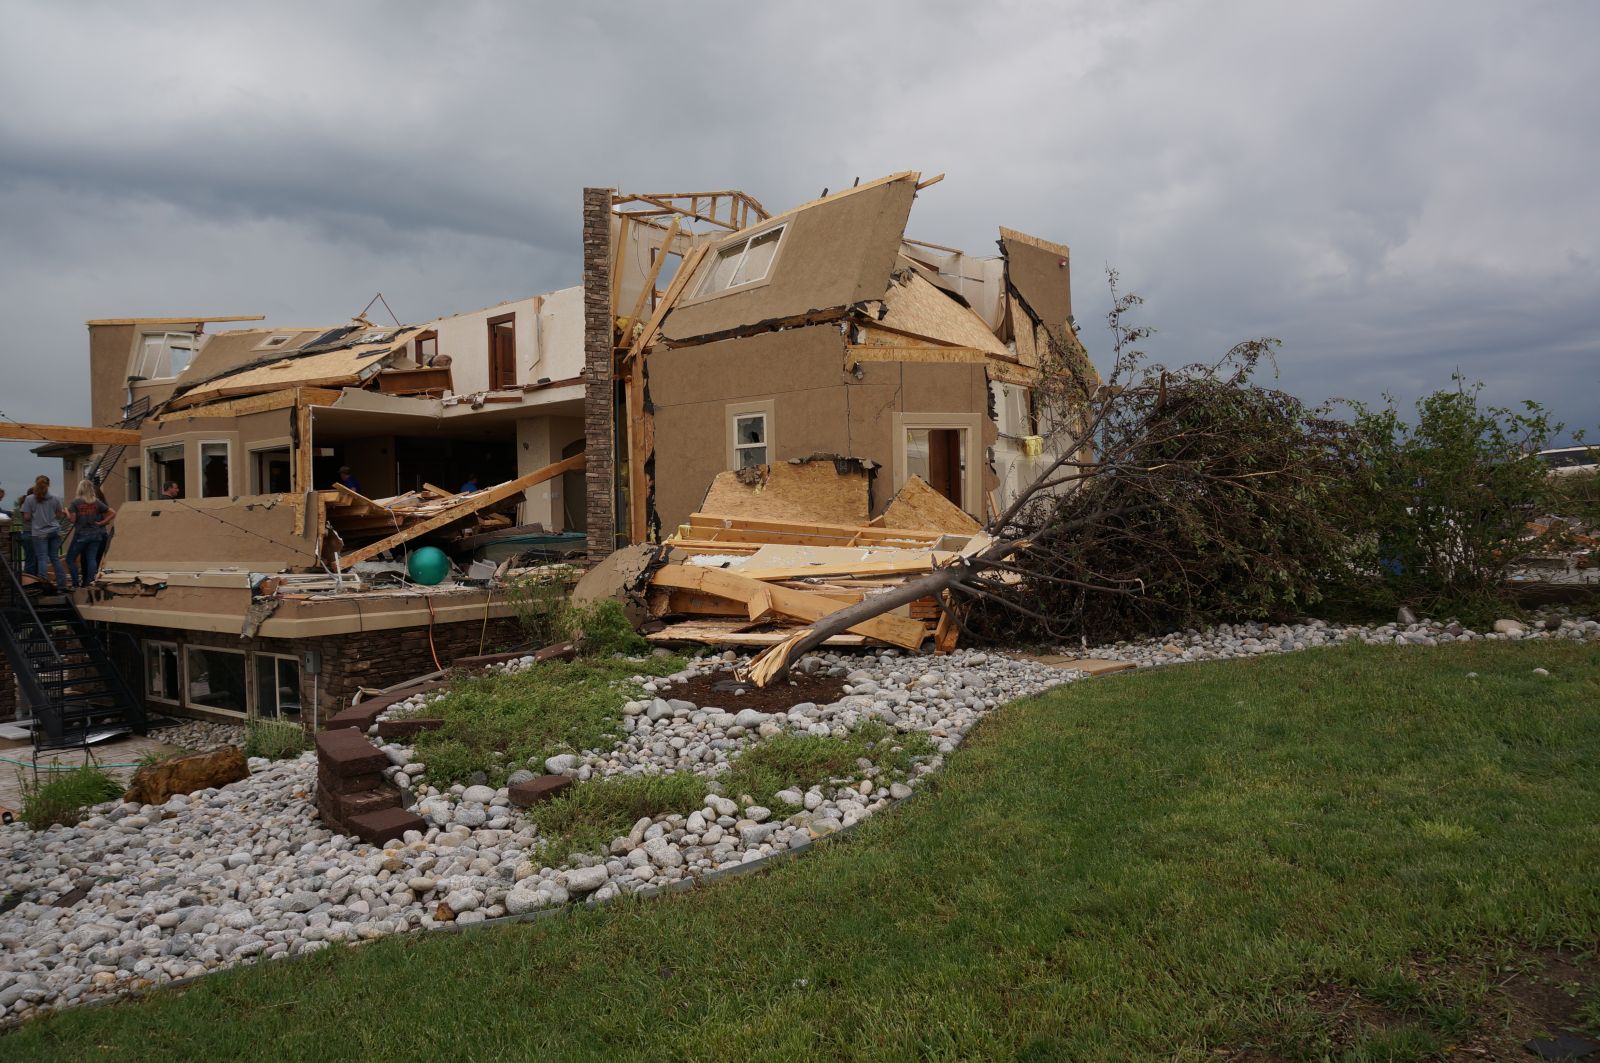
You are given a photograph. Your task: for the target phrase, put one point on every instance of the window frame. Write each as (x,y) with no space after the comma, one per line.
(191,647)
(200,465)
(254,452)
(140,355)
(145,646)
(423,337)
(703,290)
(736,410)
(151,463)
(256,657)
(972,452)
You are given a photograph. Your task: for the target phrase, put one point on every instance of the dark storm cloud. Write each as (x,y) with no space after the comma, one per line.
(1396,191)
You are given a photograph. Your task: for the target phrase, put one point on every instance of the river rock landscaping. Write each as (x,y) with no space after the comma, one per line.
(134,896)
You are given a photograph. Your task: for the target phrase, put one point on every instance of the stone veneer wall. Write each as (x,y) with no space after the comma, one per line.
(359,659)
(599,391)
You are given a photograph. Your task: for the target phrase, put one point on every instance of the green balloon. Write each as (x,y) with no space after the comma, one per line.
(428,565)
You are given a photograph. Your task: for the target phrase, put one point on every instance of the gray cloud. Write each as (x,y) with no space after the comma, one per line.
(1396,191)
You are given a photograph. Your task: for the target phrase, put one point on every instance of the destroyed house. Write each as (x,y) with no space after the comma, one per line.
(821,358)
(822,331)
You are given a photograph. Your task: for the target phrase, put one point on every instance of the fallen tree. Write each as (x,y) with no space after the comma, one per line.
(1173,494)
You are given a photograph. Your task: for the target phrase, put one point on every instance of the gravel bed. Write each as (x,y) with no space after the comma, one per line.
(247,873)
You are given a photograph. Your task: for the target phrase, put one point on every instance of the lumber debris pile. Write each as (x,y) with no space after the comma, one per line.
(399,519)
(742,581)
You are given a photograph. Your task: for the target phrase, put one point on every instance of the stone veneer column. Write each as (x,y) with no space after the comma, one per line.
(599,409)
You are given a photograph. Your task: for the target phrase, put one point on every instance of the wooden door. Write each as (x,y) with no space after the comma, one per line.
(944,462)
(502,352)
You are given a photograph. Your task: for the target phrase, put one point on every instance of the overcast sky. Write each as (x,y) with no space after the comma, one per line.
(1394,190)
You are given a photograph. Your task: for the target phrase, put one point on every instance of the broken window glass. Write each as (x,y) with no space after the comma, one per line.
(758,257)
(161,671)
(742,263)
(750,440)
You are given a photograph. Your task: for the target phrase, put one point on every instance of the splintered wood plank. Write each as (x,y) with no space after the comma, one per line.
(471,505)
(799,605)
(733,633)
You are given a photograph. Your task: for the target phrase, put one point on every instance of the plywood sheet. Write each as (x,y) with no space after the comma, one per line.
(809,491)
(1040,272)
(918,308)
(348,365)
(919,506)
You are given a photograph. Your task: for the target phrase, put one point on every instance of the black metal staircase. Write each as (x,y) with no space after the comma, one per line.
(133,415)
(68,683)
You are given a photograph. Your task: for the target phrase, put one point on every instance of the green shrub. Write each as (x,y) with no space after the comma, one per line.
(600,630)
(538,599)
(587,816)
(1442,504)
(498,722)
(65,795)
(275,739)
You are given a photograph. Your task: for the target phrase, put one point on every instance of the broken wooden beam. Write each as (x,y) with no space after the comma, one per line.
(62,433)
(466,508)
(800,605)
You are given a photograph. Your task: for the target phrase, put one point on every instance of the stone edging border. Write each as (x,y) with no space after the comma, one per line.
(684,885)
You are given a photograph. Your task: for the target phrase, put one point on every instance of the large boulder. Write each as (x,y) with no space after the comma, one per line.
(154,783)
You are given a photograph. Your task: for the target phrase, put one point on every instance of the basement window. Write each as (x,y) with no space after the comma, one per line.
(744,262)
(161,671)
(216,679)
(277,687)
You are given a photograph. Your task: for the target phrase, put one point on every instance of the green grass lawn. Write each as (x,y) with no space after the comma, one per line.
(1184,864)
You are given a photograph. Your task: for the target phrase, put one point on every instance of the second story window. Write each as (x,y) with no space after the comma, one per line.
(163,355)
(744,262)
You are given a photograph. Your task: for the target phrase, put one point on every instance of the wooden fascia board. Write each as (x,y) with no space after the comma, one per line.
(62,433)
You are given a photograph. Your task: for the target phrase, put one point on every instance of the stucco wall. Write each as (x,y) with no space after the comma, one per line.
(817,408)
(549,336)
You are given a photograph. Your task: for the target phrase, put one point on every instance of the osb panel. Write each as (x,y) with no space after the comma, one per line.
(227,351)
(811,491)
(1041,273)
(834,253)
(330,368)
(920,507)
(917,307)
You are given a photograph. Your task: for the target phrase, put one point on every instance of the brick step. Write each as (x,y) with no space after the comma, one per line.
(346,752)
(386,825)
(539,789)
(406,728)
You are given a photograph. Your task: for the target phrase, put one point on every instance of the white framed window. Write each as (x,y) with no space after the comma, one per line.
(165,464)
(215,679)
(277,687)
(163,355)
(161,682)
(750,439)
(216,473)
(743,262)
